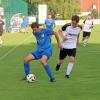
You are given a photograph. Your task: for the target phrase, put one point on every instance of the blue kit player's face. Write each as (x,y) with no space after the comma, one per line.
(49,16)
(36,30)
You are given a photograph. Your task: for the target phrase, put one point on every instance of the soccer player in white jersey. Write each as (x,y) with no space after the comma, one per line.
(70,38)
(87,28)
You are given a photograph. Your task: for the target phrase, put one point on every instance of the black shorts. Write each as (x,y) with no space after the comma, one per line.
(86,34)
(64,52)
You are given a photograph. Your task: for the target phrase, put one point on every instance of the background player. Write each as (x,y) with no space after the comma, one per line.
(1,29)
(87,28)
(49,22)
(25,24)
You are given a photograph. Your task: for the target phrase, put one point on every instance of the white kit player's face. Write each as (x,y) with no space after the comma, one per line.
(89,17)
(74,23)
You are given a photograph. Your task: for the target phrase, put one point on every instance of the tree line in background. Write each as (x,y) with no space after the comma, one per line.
(62,9)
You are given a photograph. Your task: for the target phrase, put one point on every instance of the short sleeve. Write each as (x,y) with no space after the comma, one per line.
(63,28)
(45,21)
(84,21)
(53,22)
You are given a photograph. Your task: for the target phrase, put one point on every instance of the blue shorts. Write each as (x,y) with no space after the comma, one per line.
(25,25)
(38,55)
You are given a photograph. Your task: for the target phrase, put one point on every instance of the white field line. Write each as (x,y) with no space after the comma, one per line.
(11,50)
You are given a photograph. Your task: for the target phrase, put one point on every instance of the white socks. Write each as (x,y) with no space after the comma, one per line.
(85,41)
(69,68)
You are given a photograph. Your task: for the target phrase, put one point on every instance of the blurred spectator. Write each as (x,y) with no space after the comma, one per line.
(1,29)
(49,22)
(25,24)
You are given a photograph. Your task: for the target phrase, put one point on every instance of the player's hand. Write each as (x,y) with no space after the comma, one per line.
(65,38)
(60,46)
(91,26)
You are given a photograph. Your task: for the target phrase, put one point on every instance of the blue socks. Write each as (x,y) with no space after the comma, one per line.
(48,71)
(26,69)
(46,67)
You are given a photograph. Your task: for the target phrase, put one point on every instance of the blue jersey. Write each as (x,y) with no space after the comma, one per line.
(49,23)
(25,22)
(43,39)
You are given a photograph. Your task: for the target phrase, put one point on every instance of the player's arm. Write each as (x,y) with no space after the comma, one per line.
(79,34)
(91,25)
(51,32)
(62,30)
(83,23)
(54,24)
(64,37)
(57,39)
(78,40)
(44,24)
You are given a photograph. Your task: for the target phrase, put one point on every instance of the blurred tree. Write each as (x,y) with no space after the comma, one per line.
(65,8)
(94,13)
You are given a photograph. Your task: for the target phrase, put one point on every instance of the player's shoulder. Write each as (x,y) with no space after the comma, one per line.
(84,21)
(80,26)
(63,28)
(46,20)
(66,25)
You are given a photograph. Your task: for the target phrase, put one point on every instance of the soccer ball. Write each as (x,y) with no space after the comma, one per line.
(31,78)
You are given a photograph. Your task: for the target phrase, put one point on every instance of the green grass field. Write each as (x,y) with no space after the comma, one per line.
(84,83)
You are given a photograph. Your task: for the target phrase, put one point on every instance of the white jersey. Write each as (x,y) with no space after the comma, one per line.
(72,34)
(87,25)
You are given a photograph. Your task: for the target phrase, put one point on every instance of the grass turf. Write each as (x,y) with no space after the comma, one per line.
(84,83)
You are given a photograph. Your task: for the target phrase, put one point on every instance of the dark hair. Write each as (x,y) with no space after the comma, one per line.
(76,18)
(34,25)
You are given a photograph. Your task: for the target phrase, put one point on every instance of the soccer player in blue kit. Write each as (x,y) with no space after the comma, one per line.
(25,24)
(44,49)
(49,22)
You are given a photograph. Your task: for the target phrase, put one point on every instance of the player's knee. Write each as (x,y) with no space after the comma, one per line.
(71,61)
(26,61)
(43,62)
(62,61)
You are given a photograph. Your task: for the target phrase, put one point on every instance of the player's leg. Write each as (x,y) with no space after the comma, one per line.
(86,36)
(34,55)
(83,36)
(43,61)
(45,57)
(69,67)
(27,59)
(62,55)
(60,61)
(85,41)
